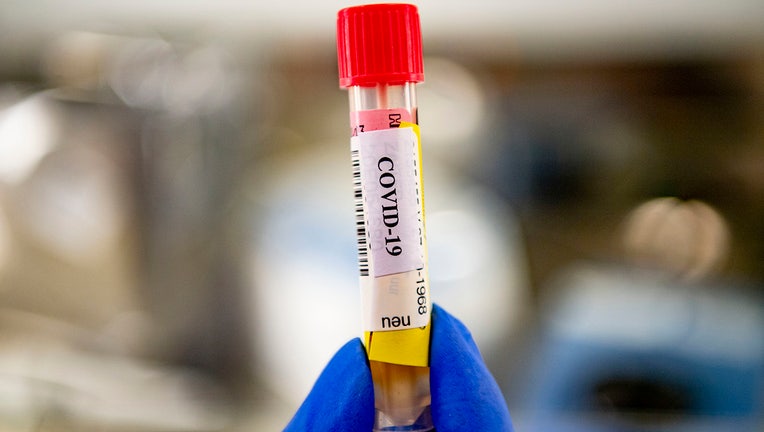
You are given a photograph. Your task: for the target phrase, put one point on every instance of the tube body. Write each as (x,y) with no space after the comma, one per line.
(388,187)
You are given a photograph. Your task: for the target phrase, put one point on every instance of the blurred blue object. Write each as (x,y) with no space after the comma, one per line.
(643,351)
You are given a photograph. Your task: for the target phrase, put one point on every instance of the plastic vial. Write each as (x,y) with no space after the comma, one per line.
(380,62)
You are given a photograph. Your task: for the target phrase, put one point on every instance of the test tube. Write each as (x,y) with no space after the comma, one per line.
(380,62)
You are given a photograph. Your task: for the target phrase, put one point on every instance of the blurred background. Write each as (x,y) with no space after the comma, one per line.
(176,241)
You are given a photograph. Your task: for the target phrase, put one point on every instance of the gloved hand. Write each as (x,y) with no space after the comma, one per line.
(465,397)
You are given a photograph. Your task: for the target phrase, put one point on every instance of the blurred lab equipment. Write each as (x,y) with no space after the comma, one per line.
(119,288)
(633,350)
(660,342)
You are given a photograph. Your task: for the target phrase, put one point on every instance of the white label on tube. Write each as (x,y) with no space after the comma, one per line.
(394,294)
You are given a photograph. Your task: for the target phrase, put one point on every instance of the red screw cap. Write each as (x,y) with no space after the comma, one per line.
(379,44)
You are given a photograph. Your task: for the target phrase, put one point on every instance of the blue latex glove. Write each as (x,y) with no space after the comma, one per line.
(465,397)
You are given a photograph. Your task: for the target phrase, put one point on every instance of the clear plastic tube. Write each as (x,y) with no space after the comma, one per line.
(401,392)
(379,52)
(384,96)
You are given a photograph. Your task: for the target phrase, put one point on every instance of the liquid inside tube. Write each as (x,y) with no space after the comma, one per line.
(401,397)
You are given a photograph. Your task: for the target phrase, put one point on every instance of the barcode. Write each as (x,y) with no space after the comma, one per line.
(360,219)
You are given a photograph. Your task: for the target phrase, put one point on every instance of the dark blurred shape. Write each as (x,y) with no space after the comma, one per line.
(635,395)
